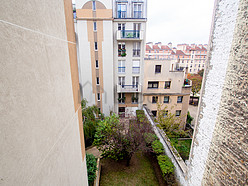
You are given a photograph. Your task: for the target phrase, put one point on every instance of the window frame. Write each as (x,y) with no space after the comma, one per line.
(154,99)
(153,83)
(178,111)
(158,70)
(168,99)
(166,86)
(179,100)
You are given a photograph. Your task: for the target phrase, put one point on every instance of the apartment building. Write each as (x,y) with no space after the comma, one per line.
(94,29)
(166,86)
(111,41)
(188,56)
(41,141)
(129,29)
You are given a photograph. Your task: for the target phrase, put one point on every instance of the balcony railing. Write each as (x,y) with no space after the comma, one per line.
(130,35)
(121,69)
(121,14)
(128,88)
(136,70)
(137,14)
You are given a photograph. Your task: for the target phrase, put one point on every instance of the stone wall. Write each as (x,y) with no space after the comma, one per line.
(227,162)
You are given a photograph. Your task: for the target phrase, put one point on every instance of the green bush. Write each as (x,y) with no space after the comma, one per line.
(165,164)
(157,147)
(149,138)
(91,168)
(140,115)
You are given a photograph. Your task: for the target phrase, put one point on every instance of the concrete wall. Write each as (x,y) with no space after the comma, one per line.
(227,158)
(40,112)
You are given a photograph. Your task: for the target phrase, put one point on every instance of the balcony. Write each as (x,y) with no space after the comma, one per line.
(128,88)
(124,35)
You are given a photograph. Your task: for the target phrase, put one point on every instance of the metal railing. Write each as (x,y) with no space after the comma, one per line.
(130,34)
(121,69)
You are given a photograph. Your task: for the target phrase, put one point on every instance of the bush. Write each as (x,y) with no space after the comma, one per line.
(140,114)
(165,164)
(149,138)
(91,167)
(157,147)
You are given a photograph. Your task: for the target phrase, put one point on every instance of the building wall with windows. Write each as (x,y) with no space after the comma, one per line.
(129,29)
(41,141)
(166,87)
(95,48)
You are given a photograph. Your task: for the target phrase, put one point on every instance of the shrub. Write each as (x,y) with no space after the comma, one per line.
(140,115)
(149,138)
(91,167)
(157,147)
(165,164)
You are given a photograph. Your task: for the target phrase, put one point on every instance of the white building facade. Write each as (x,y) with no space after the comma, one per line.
(129,29)
(111,48)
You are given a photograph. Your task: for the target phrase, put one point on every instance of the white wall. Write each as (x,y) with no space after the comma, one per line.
(85,62)
(108,67)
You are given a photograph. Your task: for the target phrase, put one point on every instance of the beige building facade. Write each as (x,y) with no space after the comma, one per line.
(41,141)
(165,86)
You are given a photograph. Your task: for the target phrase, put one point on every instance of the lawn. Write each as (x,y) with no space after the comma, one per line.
(182,147)
(140,172)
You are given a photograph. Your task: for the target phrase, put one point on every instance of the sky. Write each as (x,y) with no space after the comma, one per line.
(179,21)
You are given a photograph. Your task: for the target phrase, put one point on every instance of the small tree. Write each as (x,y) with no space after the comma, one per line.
(196,83)
(120,141)
(169,122)
(91,117)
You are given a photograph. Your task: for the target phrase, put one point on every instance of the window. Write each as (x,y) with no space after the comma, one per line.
(98,96)
(97,81)
(180,99)
(153,84)
(121,98)
(95,43)
(136,49)
(154,112)
(135,81)
(121,81)
(121,10)
(167,84)
(121,66)
(94,26)
(166,99)
(122,50)
(136,67)
(137,10)
(121,26)
(178,113)
(135,98)
(121,110)
(93,5)
(157,68)
(166,113)
(154,99)
(97,65)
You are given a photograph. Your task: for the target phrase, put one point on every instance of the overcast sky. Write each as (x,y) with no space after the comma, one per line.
(179,21)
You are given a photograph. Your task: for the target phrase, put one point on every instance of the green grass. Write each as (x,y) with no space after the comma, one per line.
(182,147)
(140,172)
